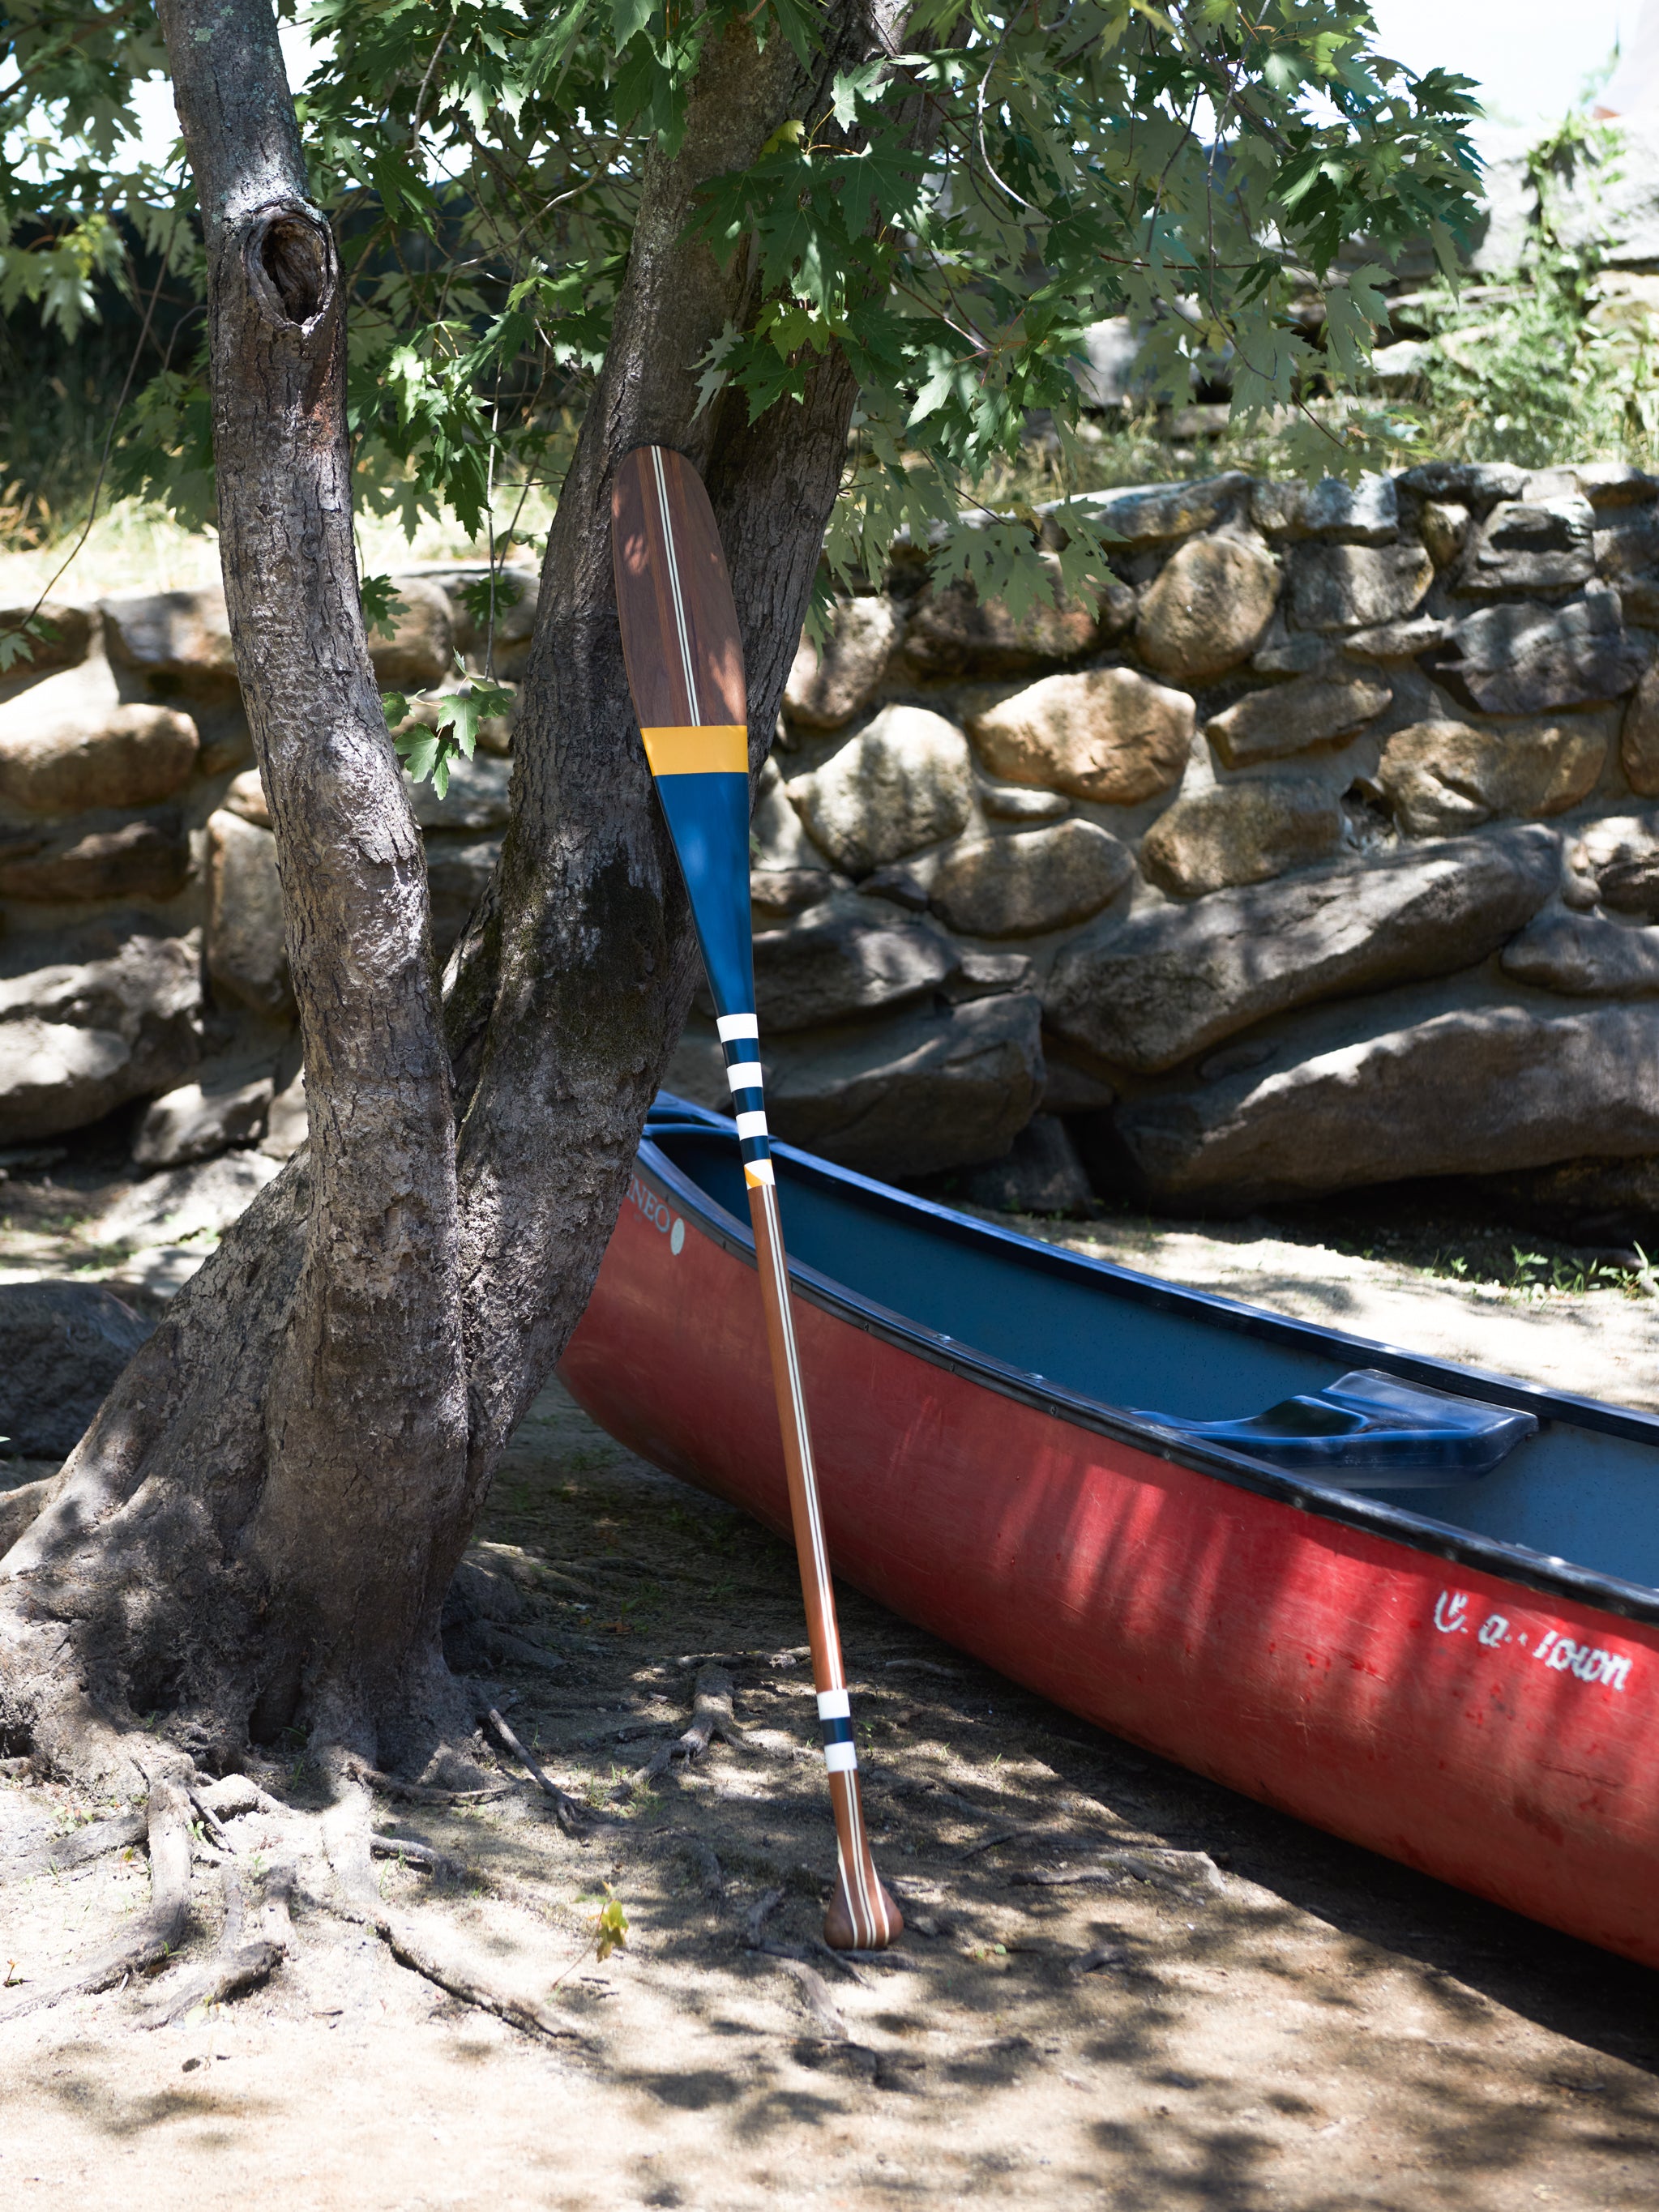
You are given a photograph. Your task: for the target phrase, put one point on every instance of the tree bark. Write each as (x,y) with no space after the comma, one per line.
(260,1526)
(341,1459)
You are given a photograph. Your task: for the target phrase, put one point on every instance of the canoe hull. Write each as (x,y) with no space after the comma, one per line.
(1498,1737)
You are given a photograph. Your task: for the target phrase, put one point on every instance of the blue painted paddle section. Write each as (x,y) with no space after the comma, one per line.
(709,820)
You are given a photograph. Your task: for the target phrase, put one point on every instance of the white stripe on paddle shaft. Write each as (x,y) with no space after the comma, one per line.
(744,1075)
(803,1440)
(868,1922)
(695,715)
(734,1026)
(874,1920)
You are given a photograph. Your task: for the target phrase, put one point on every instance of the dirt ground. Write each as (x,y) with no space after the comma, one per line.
(1220,2008)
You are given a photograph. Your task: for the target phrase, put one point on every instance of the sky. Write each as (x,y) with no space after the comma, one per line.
(1529,57)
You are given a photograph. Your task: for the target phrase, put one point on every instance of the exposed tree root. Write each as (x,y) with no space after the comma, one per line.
(508,1649)
(820,2007)
(244,1959)
(407,1850)
(347,1839)
(712,1720)
(20,1508)
(572,1817)
(157,1934)
(1181,1872)
(421,1793)
(754,1934)
(79,1847)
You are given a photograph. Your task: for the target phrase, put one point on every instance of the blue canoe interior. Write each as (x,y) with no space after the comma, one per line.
(1437,1450)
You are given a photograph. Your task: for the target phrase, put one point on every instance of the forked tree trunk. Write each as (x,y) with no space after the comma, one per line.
(259,1527)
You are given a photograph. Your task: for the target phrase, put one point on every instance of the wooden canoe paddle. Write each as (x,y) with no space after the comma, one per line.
(684,657)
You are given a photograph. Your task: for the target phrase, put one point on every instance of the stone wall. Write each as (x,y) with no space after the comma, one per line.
(1319,850)
(141,949)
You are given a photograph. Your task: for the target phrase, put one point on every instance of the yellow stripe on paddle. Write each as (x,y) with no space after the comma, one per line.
(702,749)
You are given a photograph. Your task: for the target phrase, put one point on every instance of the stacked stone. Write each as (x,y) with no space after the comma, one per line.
(142,954)
(1316,850)
(1310,854)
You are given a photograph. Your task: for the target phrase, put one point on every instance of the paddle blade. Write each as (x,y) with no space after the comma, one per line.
(684,660)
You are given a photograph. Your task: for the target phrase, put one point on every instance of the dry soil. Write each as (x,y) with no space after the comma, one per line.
(1222,2008)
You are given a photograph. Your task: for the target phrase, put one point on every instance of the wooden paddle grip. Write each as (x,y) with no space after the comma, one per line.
(861,1917)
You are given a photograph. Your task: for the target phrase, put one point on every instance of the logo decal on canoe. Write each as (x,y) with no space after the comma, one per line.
(658,1211)
(1449,1610)
(1588,1662)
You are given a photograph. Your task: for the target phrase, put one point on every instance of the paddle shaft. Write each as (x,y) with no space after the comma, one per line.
(871,1919)
(685,658)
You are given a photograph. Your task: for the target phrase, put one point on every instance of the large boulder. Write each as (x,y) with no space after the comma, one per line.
(941,1086)
(1241,833)
(421,648)
(478,797)
(1444,529)
(180,1204)
(1205,610)
(1473,484)
(1146,991)
(245,958)
(831,682)
(92,1019)
(1630,884)
(1303,716)
(831,965)
(1397,1087)
(1026,804)
(1639,741)
(1597,1200)
(1626,543)
(1439,778)
(126,756)
(1526,546)
(457,873)
(1042,1174)
(226,1105)
(1585,956)
(1032,881)
(1519,657)
(1109,734)
(245,794)
(955,632)
(1365,513)
(66,633)
(1153,514)
(146,859)
(508,638)
(288,1123)
(778,843)
(906,780)
(1352,586)
(62,1347)
(178,640)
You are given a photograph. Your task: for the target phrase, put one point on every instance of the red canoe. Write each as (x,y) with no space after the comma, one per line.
(1413,1604)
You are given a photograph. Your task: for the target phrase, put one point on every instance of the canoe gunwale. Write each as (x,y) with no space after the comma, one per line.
(1511,1563)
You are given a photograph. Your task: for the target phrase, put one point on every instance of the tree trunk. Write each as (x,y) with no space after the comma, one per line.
(260,1525)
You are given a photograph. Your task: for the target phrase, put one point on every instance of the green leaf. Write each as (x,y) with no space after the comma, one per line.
(381,606)
(18,641)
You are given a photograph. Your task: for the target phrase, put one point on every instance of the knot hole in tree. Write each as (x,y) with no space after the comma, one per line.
(289,257)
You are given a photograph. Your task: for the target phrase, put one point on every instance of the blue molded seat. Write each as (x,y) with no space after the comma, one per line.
(1368,1430)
